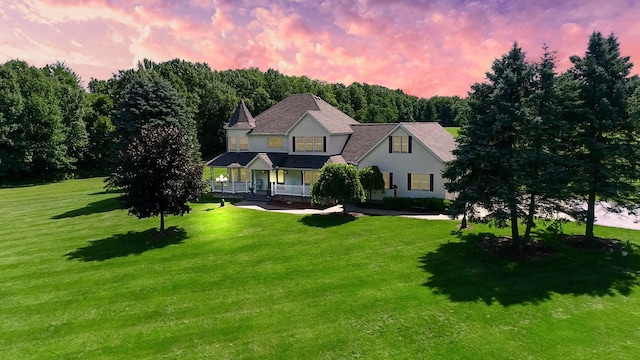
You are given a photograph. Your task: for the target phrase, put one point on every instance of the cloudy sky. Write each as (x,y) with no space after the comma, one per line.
(424,47)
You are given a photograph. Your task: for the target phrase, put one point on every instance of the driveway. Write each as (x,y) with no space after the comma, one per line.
(623,220)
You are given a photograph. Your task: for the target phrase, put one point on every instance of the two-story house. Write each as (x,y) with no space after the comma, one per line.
(282,150)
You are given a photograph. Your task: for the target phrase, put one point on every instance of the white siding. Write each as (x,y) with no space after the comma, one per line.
(336,143)
(307,126)
(260,143)
(419,161)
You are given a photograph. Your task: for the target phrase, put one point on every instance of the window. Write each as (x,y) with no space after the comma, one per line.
(280,176)
(239,175)
(388,180)
(420,182)
(275,142)
(318,143)
(233,143)
(244,143)
(310,143)
(400,144)
(311,176)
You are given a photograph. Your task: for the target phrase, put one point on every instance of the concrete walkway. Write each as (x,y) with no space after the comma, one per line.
(623,220)
(336,209)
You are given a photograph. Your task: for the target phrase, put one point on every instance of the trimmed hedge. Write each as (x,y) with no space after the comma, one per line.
(427,205)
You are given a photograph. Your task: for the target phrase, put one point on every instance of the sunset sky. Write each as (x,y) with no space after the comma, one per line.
(423,47)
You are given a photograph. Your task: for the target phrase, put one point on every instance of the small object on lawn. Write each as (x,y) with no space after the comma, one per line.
(222,203)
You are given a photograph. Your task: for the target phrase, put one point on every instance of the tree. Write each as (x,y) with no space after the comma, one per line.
(158,174)
(605,137)
(488,167)
(371,179)
(149,101)
(545,177)
(338,182)
(33,140)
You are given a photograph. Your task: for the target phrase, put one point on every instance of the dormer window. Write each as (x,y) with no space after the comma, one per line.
(233,143)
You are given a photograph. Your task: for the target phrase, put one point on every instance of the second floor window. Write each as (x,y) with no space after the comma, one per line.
(233,143)
(310,143)
(275,142)
(400,144)
(244,143)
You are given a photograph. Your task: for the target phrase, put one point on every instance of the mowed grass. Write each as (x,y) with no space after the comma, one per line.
(453,131)
(81,279)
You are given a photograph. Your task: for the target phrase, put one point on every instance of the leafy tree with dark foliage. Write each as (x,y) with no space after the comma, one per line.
(605,137)
(159,174)
(338,182)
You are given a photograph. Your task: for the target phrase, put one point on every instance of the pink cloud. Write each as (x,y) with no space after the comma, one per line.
(424,48)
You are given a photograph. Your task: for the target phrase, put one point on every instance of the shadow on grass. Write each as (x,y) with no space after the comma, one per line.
(463,273)
(131,243)
(327,220)
(101,206)
(108,191)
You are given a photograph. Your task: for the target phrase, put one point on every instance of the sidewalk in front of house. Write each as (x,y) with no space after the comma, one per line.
(603,217)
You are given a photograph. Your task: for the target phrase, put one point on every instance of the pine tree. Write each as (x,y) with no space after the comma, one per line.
(605,137)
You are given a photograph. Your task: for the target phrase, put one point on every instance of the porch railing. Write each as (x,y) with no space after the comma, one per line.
(232,188)
(292,190)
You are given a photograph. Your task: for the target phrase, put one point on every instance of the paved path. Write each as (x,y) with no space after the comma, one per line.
(603,217)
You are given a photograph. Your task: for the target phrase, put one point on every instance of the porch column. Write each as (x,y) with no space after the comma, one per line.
(303,187)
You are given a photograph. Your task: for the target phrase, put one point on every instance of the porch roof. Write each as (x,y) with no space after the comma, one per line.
(280,160)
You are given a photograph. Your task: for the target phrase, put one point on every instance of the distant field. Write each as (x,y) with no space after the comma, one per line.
(453,130)
(83,280)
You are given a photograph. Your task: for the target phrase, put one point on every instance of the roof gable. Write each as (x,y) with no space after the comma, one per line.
(281,117)
(434,138)
(364,138)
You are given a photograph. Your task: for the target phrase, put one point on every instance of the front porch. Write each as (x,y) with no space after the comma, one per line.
(287,182)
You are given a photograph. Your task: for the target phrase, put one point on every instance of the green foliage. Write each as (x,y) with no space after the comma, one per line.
(603,142)
(490,156)
(151,101)
(158,173)
(34,131)
(371,179)
(338,182)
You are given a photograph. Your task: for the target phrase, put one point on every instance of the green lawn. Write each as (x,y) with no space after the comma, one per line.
(83,280)
(453,131)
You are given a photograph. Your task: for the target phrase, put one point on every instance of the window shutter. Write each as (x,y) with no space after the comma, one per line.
(390,180)
(409,181)
(390,145)
(324,144)
(294,144)
(410,142)
(430,182)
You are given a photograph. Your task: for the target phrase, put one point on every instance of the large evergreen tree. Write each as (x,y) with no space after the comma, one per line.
(150,101)
(488,169)
(605,137)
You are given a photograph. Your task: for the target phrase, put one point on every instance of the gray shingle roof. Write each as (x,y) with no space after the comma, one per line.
(279,118)
(364,137)
(232,159)
(434,137)
(282,160)
(241,118)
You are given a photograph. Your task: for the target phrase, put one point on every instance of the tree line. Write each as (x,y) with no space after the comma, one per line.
(51,127)
(535,142)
